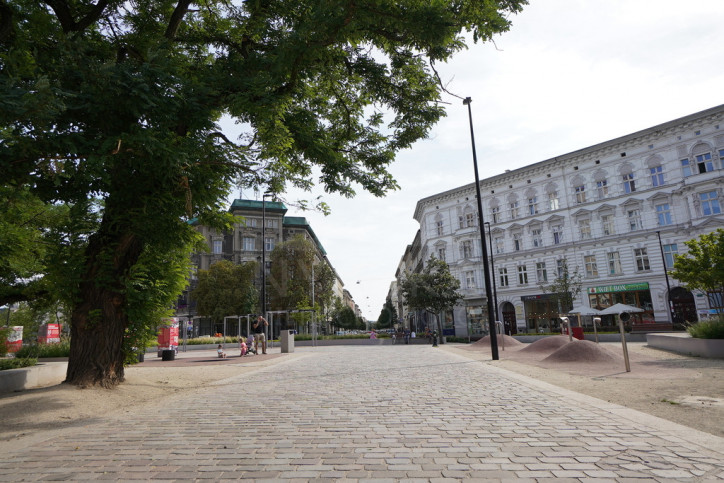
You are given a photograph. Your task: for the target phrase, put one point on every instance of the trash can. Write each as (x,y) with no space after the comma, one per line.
(168,355)
(577,332)
(141,356)
(287,341)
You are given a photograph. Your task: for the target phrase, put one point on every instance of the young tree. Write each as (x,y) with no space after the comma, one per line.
(346,318)
(290,280)
(565,288)
(434,289)
(388,316)
(121,101)
(226,289)
(702,267)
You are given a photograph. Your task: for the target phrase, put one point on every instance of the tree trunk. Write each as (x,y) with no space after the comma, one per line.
(99,319)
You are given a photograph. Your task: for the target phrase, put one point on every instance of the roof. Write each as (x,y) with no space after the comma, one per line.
(254,205)
(301,222)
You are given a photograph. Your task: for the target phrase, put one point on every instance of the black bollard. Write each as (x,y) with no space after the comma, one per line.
(434,338)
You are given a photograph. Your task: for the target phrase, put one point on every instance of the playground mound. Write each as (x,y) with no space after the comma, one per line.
(502,339)
(582,351)
(547,344)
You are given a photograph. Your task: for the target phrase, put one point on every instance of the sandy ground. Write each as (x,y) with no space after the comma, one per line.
(685,390)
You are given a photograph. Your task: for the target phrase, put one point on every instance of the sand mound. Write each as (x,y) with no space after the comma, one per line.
(485,341)
(548,344)
(582,351)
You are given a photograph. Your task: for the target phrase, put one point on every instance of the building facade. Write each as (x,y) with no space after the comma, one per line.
(616,213)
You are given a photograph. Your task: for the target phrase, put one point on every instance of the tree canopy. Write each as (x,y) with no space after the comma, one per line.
(702,267)
(565,288)
(226,289)
(120,102)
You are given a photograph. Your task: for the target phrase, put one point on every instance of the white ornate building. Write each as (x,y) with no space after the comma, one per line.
(613,211)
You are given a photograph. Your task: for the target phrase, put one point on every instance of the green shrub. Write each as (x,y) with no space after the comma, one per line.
(17,363)
(708,329)
(39,351)
(4,332)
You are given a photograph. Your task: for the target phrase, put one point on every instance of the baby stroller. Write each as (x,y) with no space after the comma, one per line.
(250,345)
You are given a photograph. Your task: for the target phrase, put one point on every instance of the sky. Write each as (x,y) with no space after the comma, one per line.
(569,74)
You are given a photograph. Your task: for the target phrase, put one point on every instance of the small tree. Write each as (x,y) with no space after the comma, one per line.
(388,316)
(346,318)
(702,268)
(565,288)
(434,289)
(226,289)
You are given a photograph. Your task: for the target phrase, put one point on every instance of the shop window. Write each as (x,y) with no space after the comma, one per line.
(591,267)
(642,259)
(541,273)
(503,272)
(522,275)
(614,263)
(657,176)
(663,213)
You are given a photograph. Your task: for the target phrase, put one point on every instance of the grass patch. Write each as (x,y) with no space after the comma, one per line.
(707,329)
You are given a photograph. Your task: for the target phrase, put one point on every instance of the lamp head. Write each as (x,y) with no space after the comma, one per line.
(624,316)
(467,101)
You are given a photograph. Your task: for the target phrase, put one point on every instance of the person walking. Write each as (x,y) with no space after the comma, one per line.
(259,335)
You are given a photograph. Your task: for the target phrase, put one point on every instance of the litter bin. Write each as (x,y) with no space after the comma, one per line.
(168,355)
(287,341)
(577,332)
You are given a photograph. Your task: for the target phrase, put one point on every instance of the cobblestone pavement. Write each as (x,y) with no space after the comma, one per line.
(378,414)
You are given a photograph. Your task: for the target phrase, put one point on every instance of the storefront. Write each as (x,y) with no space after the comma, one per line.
(477,316)
(634,294)
(541,313)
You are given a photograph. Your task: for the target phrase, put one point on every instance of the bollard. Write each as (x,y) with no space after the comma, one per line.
(434,338)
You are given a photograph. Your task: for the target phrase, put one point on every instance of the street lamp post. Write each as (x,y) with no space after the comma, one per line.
(486,268)
(492,268)
(263,252)
(668,287)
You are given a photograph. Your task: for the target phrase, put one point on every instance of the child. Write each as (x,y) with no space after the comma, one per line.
(242,347)
(220,352)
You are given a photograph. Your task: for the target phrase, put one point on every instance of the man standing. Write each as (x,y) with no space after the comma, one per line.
(259,335)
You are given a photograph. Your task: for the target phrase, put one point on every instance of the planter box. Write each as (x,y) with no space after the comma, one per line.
(685,344)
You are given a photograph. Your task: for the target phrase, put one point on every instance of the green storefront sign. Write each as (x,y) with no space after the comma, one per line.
(624,287)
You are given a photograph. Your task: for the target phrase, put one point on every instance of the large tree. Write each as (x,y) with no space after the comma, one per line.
(702,267)
(226,289)
(120,101)
(434,289)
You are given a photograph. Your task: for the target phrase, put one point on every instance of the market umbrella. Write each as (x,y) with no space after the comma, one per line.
(583,310)
(620,308)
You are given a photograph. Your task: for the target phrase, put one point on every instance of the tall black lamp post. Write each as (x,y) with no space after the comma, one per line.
(492,269)
(668,287)
(263,252)
(486,268)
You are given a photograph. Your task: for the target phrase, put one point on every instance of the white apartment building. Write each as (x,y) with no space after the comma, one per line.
(615,212)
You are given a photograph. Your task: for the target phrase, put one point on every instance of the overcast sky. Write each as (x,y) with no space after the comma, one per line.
(569,74)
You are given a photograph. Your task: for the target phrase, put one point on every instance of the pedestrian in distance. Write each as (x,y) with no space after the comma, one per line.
(259,335)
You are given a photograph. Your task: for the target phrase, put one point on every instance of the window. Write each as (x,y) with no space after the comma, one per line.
(634,220)
(561,267)
(441,253)
(709,203)
(591,268)
(614,263)
(533,205)
(580,193)
(272,223)
(686,167)
(704,163)
(557,235)
(469,219)
(553,200)
(495,212)
(499,245)
(670,252)
(249,243)
(514,210)
(466,249)
(602,189)
(470,279)
(440,229)
(251,222)
(541,273)
(503,272)
(517,242)
(522,275)
(584,227)
(269,244)
(461,222)
(537,238)
(657,176)
(217,247)
(642,259)
(629,184)
(608,225)
(663,212)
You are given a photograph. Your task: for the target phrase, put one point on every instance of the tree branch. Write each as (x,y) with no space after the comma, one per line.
(176,18)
